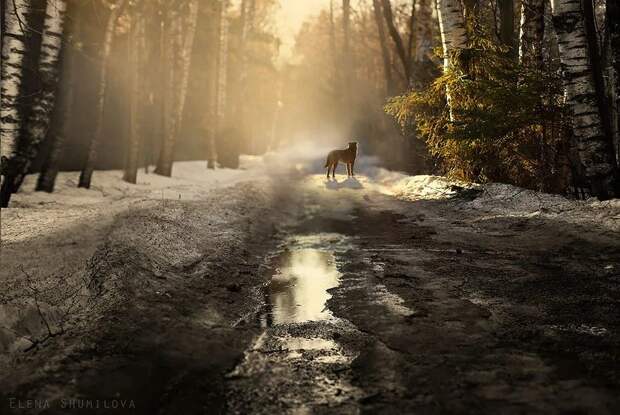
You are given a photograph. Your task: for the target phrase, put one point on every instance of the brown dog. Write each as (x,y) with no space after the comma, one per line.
(346,156)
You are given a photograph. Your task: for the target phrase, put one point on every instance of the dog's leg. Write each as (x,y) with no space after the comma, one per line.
(329,166)
(334,169)
(348,169)
(352,165)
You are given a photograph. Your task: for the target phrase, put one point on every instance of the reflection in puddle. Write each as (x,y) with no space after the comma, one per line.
(304,343)
(298,292)
(294,368)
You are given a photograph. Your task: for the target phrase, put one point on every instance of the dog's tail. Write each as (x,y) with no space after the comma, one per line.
(326,162)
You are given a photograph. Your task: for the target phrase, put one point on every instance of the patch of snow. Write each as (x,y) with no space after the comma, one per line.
(506,200)
(392,183)
(189,181)
(495,199)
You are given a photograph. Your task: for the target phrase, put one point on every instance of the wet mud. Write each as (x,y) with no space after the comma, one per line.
(360,303)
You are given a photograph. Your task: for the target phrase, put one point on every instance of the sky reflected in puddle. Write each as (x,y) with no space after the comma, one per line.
(298,290)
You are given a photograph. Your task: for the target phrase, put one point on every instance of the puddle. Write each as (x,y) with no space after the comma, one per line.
(297,358)
(305,270)
(298,292)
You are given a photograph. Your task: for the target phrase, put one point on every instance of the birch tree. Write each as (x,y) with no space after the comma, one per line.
(39,118)
(97,136)
(13,52)
(453,35)
(593,147)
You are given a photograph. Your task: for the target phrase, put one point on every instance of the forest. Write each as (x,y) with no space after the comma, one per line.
(485,91)
(170,242)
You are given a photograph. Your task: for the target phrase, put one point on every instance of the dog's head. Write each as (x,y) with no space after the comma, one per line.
(353,145)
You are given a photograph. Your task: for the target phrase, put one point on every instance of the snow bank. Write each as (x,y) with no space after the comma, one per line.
(418,187)
(49,241)
(372,177)
(34,214)
(506,200)
(493,199)
(189,182)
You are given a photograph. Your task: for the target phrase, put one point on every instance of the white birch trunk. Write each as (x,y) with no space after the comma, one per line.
(451,27)
(13,51)
(38,121)
(453,35)
(593,148)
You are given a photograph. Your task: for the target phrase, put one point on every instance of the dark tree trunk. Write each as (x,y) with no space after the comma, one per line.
(598,71)
(211,121)
(532,32)
(136,88)
(222,79)
(180,48)
(95,141)
(385,51)
(61,118)
(333,48)
(396,38)
(170,68)
(507,33)
(348,66)
(411,43)
(613,33)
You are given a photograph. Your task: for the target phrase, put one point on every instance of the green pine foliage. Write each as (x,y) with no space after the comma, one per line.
(508,121)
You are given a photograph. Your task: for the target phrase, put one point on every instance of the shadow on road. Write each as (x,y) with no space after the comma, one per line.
(349,183)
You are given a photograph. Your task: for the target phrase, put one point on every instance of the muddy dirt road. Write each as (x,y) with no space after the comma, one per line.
(344,300)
